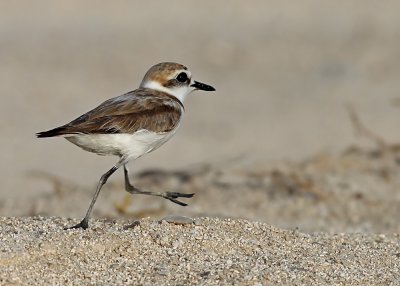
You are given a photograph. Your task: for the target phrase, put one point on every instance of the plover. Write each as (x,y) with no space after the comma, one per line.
(133,124)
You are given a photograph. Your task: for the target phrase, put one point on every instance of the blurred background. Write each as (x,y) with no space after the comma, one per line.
(284,73)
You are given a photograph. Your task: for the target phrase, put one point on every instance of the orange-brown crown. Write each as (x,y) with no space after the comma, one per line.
(162,72)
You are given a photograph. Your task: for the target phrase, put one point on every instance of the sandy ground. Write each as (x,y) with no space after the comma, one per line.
(274,146)
(36,251)
(339,219)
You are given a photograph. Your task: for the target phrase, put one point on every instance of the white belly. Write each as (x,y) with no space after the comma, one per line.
(129,146)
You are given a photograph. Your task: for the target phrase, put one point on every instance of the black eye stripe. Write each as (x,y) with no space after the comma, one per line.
(182,77)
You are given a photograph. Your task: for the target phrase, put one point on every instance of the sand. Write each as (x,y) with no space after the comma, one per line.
(37,251)
(338,216)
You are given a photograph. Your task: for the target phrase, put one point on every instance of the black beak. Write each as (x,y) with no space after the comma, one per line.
(202,86)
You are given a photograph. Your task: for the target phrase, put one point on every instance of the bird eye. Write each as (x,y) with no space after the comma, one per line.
(182,77)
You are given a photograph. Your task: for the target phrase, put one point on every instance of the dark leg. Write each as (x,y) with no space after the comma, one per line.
(85,222)
(172,196)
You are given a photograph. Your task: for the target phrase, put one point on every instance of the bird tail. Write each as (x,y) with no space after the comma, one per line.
(51,133)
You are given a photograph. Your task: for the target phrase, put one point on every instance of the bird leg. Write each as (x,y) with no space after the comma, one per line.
(85,222)
(172,196)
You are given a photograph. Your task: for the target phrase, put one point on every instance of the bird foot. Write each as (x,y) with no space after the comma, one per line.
(172,196)
(83,224)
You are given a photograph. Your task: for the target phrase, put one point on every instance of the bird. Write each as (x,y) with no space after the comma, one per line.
(133,124)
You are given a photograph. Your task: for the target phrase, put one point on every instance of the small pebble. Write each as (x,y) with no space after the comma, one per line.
(176,219)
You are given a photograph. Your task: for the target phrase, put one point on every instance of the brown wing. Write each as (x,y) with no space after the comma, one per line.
(128,113)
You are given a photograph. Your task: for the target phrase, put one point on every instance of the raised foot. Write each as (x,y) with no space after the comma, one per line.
(172,196)
(83,224)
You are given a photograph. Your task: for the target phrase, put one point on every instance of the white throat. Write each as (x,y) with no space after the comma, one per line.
(179,92)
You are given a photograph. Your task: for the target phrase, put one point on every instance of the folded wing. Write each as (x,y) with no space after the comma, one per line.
(128,113)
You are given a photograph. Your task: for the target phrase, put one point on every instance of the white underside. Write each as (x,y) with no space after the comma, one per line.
(128,146)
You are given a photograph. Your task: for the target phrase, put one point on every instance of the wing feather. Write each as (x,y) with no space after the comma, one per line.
(140,109)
